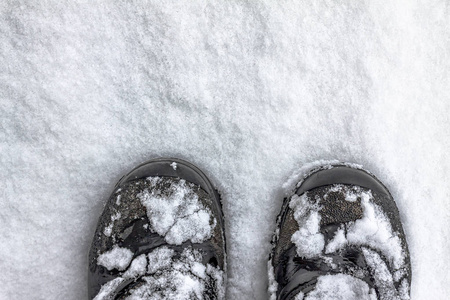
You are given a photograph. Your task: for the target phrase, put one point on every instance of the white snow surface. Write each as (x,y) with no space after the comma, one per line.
(250,92)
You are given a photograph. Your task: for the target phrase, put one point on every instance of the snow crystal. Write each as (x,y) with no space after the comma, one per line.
(352,193)
(196,228)
(116,258)
(108,229)
(299,296)
(137,268)
(403,290)
(159,259)
(273,284)
(329,261)
(341,287)
(337,242)
(108,288)
(301,206)
(176,213)
(174,165)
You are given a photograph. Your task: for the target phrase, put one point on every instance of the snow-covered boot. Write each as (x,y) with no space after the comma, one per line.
(339,236)
(161,236)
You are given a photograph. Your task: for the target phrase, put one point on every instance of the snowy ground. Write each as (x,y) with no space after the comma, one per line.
(248,92)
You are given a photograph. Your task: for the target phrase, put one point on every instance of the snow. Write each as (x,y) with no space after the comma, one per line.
(108,288)
(176,211)
(159,259)
(109,228)
(341,287)
(338,241)
(137,268)
(372,231)
(165,276)
(183,278)
(308,240)
(116,258)
(252,93)
(382,276)
(375,230)
(273,284)
(299,296)
(351,193)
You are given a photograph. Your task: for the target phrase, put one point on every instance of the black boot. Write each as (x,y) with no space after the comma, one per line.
(339,236)
(161,236)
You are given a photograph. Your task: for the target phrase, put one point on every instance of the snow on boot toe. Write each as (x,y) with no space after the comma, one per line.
(340,225)
(160,236)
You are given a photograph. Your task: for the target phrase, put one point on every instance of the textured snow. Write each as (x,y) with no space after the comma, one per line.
(116,258)
(374,229)
(338,241)
(299,296)
(109,228)
(167,277)
(137,268)
(382,276)
(351,193)
(308,240)
(341,287)
(273,284)
(159,259)
(249,91)
(108,288)
(176,213)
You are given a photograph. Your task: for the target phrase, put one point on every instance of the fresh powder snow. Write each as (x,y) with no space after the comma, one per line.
(254,93)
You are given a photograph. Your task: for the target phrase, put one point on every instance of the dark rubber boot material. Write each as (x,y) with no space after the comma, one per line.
(139,240)
(295,274)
